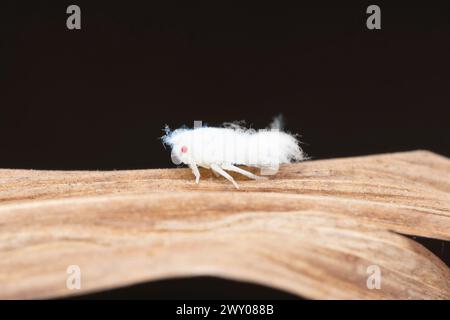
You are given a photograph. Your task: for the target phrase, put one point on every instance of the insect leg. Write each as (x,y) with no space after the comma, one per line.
(220,171)
(195,171)
(242,171)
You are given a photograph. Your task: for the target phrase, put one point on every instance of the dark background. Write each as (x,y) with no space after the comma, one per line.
(97,98)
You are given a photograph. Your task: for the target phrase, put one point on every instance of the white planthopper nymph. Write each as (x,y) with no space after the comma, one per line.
(222,148)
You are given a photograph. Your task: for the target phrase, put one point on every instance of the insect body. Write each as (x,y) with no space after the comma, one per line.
(221,149)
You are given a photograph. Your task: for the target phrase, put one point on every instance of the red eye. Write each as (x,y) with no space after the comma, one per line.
(184,149)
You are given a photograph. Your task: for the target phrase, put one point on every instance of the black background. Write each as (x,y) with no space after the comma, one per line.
(97,98)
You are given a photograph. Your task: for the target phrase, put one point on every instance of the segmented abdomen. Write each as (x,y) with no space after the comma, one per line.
(262,148)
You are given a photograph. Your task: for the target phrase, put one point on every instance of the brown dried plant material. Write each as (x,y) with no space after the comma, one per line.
(312,230)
